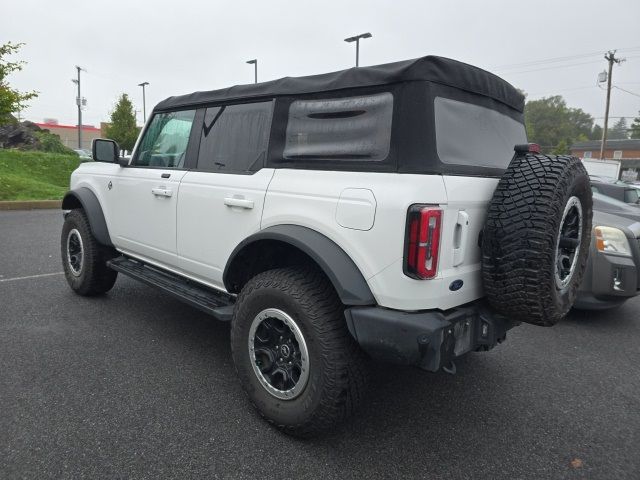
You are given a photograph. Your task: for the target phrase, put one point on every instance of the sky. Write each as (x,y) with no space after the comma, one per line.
(543,47)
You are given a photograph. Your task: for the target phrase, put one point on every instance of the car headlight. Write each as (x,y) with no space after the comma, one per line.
(612,240)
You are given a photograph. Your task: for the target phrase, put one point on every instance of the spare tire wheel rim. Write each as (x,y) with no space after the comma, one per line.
(568,243)
(278,354)
(75,252)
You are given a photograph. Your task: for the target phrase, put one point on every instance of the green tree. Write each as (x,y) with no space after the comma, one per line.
(122,127)
(581,123)
(561,149)
(619,131)
(11,100)
(596,133)
(554,126)
(635,127)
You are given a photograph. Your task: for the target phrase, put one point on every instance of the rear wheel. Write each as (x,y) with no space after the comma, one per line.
(536,238)
(293,354)
(83,258)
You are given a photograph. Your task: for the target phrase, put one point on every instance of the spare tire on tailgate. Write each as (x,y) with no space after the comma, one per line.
(536,237)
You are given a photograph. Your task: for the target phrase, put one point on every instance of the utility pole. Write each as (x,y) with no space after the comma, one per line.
(610,57)
(254,62)
(79,104)
(144,102)
(357,40)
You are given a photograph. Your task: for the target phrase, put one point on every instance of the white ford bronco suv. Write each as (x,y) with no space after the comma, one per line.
(394,212)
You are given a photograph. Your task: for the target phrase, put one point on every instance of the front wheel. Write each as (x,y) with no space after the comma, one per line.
(293,354)
(83,258)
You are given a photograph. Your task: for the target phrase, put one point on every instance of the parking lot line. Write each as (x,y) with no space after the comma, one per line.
(30,277)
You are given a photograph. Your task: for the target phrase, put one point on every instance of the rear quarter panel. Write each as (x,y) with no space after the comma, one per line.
(311,199)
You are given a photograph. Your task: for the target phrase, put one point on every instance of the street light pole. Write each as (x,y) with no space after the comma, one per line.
(254,62)
(79,103)
(357,40)
(144,102)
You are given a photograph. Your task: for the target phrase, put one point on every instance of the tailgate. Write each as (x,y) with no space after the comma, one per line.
(464,216)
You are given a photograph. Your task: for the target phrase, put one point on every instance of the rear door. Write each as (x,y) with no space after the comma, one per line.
(221,201)
(144,195)
(469,134)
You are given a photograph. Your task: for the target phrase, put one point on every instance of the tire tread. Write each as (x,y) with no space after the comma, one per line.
(343,363)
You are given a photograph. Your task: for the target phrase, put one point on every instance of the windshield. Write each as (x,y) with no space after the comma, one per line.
(603,202)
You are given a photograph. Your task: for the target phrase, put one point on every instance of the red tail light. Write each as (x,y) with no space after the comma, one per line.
(422,241)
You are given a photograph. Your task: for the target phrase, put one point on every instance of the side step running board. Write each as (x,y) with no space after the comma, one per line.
(209,300)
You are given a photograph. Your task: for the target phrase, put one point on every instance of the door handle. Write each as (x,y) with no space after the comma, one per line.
(460,234)
(162,192)
(238,202)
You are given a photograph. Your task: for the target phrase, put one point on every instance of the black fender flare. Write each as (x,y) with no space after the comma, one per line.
(91,206)
(350,284)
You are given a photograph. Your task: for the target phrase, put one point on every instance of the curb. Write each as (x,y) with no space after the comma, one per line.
(30,204)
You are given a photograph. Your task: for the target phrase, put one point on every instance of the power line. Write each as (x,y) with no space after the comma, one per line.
(621,116)
(561,90)
(556,59)
(553,67)
(560,66)
(548,60)
(627,91)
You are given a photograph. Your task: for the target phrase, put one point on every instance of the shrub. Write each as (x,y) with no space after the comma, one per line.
(51,143)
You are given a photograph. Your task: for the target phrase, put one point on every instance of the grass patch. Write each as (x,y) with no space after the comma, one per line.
(35,175)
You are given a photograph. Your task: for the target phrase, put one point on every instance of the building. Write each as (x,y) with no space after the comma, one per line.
(69,133)
(627,151)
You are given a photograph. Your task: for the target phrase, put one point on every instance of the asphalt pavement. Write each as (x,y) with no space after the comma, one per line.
(137,385)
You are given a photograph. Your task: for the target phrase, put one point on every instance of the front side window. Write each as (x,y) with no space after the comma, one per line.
(235,137)
(165,141)
(469,134)
(350,128)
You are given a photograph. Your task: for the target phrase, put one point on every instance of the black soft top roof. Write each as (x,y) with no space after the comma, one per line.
(431,68)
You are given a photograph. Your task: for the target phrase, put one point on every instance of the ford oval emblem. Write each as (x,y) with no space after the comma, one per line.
(456,285)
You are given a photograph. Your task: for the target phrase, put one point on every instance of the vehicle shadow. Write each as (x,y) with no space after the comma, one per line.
(512,402)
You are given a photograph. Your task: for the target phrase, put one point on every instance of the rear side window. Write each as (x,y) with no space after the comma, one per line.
(468,134)
(165,141)
(350,128)
(235,137)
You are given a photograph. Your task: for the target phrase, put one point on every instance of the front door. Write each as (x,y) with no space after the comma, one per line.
(145,193)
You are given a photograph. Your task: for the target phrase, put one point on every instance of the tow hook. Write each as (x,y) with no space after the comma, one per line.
(450,368)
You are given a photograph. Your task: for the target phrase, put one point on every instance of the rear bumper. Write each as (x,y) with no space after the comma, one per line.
(429,339)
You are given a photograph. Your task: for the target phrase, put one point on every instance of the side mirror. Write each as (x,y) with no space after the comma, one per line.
(104,150)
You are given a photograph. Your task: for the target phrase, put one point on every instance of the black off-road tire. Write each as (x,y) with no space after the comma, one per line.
(92,276)
(337,367)
(520,271)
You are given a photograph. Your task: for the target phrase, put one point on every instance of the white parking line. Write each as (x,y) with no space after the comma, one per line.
(30,276)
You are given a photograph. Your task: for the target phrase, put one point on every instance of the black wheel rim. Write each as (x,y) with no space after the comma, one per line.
(569,243)
(75,252)
(278,354)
